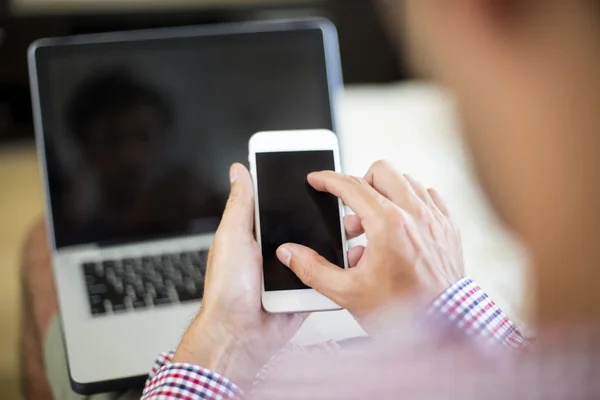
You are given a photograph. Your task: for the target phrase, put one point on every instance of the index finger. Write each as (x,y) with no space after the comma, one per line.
(355,192)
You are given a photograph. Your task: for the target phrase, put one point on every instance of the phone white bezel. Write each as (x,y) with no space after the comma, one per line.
(304,300)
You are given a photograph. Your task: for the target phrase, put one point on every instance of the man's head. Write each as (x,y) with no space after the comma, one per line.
(525,77)
(120,125)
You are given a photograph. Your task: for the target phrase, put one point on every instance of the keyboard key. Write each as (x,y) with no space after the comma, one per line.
(192,290)
(99,270)
(119,308)
(139,304)
(96,299)
(149,299)
(140,290)
(139,267)
(177,276)
(98,309)
(118,287)
(145,266)
(178,266)
(89,268)
(185,296)
(130,291)
(129,279)
(169,273)
(90,280)
(186,258)
(164,260)
(182,293)
(116,299)
(98,289)
(110,275)
(162,301)
(188,270)
(199,281)
(150,287)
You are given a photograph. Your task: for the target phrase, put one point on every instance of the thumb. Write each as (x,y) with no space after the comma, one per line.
(239,212)
(314,270)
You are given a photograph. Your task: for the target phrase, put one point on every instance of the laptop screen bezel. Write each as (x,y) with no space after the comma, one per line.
(52,45)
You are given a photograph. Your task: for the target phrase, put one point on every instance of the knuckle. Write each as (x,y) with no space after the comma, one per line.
(393,217)
(423,215)
(380,228)
(351,183)
(382,164)
(356,181)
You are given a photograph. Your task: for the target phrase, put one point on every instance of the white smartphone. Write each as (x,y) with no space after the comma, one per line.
(289,210)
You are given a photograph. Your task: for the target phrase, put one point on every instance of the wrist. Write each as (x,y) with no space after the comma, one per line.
(209,344)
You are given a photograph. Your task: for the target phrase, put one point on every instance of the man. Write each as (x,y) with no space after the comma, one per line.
(524,73)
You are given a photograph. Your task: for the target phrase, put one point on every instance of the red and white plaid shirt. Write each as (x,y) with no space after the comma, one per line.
(460,358)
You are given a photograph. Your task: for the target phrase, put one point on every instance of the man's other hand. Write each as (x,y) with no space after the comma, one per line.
(413,252)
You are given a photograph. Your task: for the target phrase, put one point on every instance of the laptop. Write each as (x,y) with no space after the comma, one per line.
(136,132)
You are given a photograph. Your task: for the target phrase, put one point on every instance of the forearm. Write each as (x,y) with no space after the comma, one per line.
(199,367)
(208,343)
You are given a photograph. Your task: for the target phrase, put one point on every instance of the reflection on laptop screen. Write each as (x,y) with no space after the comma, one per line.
(139,135)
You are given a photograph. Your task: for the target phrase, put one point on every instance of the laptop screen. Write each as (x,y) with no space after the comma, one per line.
(139,135)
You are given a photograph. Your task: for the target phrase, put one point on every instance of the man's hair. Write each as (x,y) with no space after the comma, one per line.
(110,92)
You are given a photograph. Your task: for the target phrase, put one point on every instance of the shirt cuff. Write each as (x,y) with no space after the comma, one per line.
(187,381)
(466,306)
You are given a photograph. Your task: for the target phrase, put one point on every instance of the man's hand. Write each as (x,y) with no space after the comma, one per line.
(232,335)
(413,250)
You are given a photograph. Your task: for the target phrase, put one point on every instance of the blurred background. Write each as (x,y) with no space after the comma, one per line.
(383,114)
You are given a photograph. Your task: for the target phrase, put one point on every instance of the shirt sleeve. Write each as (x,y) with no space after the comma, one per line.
(466,306)
(169,380)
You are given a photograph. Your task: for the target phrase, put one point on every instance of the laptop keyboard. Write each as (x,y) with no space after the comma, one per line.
(116,286)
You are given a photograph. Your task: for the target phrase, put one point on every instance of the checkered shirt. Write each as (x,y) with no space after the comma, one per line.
(463,307)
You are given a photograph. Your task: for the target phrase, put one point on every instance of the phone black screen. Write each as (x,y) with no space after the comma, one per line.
(291,211)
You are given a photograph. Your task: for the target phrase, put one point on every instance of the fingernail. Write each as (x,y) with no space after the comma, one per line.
(284,256)
(233,173)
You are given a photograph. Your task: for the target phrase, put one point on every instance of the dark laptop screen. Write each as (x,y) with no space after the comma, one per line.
(139,135)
